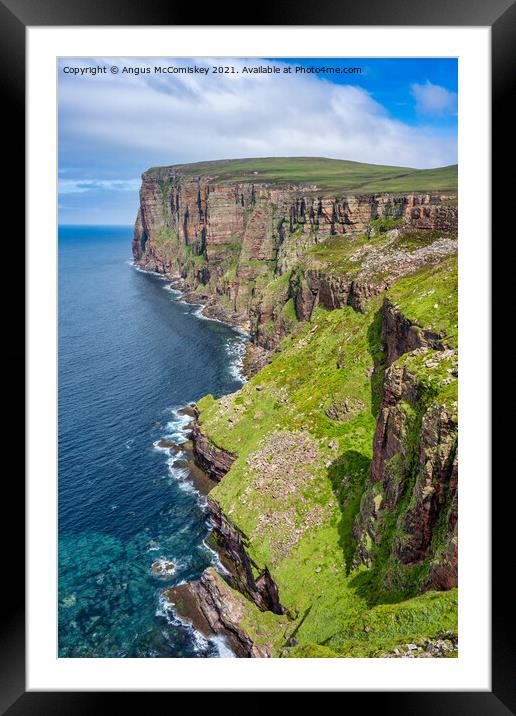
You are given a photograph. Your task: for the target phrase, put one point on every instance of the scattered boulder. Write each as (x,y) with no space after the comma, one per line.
(343,410)
(163,567)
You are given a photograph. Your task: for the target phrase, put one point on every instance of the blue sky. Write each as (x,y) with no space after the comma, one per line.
(112,127)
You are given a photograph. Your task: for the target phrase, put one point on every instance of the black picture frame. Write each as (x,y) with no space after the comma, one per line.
(15,17)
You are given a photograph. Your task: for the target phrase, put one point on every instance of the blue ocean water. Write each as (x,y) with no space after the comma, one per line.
(131,354)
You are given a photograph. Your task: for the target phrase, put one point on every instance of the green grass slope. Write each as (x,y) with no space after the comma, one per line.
(295,489)
(330,175)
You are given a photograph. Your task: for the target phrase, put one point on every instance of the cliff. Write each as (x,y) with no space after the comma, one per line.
(234,243)
(212,608)
(335,508)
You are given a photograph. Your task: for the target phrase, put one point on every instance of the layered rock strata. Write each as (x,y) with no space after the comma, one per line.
(244,575)
(411,495)
(224,243)
(213,460)
(213,609)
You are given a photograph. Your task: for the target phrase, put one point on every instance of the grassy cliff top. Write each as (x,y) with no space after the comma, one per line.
(329,175)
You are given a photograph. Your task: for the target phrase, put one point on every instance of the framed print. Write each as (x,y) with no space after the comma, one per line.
(258,367)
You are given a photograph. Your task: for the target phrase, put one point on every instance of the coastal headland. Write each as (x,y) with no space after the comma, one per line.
(334,468)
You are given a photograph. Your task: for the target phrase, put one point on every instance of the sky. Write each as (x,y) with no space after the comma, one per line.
(114,126)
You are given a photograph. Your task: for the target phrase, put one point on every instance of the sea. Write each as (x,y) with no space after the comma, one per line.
(132,355)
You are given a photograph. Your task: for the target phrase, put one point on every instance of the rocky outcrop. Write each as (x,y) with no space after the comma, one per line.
(336,278)
(433,217)
(244,574)
(442,646)
(409,506)
(435,485)
(220,606)
(213,460)
(226,539)
(401,335)
(212,608)
(256,357)
(315,286)
(443,570)
(413,477)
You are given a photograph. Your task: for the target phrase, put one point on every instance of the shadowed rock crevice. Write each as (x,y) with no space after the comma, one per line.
(348,474)
(243,574)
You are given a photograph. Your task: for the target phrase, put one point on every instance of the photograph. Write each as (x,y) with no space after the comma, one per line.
(258,358)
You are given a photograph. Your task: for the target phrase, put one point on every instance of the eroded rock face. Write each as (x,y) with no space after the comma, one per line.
(316,286)
(443,570)
(261,589)
(222,242)
(213,460)
(227,540)
(209,604)
(370,269)
(434,487)
(256,357)
(431,216)
(401,336)
(390,439)
(212,608)
(413,478)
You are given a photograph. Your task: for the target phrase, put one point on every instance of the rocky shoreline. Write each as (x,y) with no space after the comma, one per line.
(208,602)
(334,472)
(213,604)
(255,356)
(213,609)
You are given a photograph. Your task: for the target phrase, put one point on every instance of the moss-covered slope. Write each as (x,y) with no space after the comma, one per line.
(306,491)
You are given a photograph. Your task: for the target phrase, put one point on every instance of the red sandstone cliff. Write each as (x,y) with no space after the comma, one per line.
(410,501)
(227,243)
(250,253)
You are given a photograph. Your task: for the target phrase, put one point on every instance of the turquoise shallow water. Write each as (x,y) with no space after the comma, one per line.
(130,356)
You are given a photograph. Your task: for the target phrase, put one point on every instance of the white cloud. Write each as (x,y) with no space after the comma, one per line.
(120,122)
(433,99)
